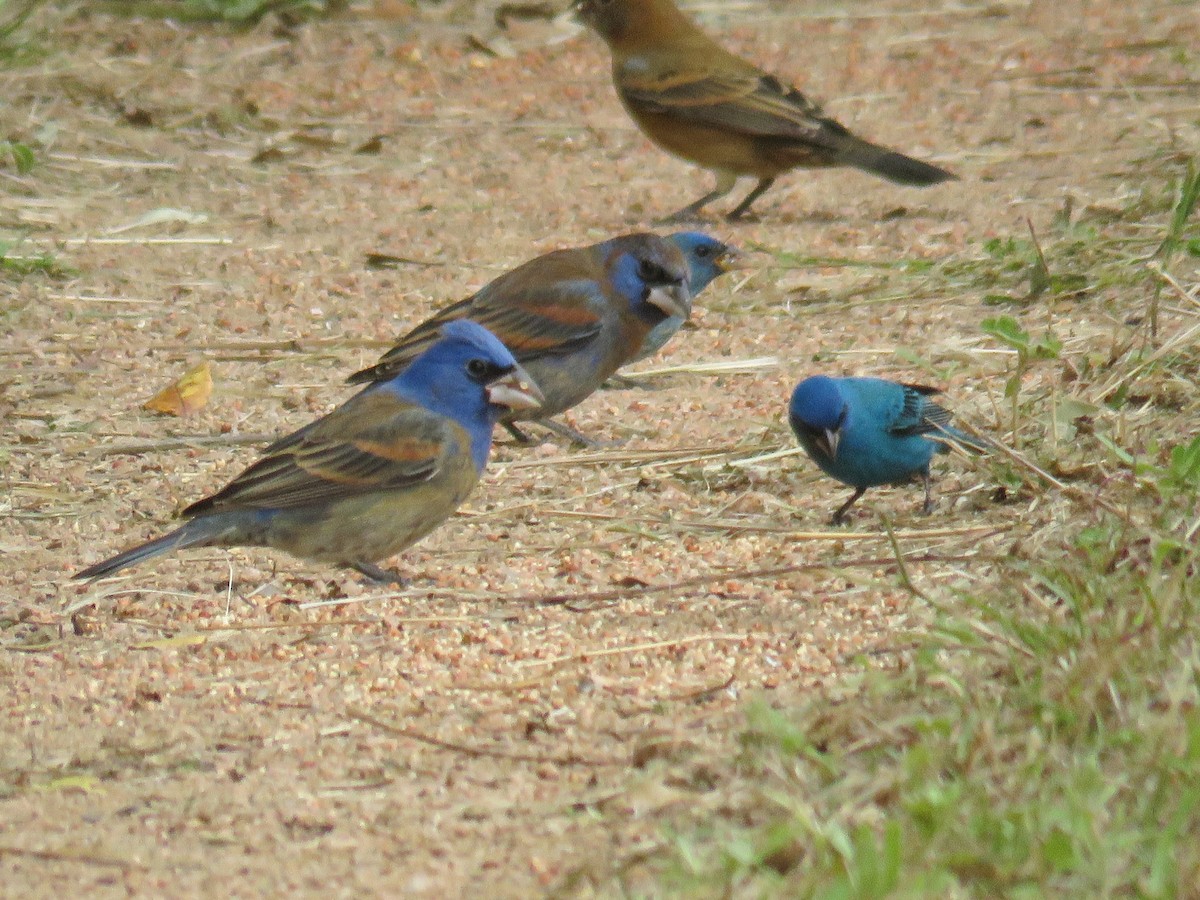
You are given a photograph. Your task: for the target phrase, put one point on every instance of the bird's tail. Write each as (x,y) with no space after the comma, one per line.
(200,532)
(889,164)
(949,437)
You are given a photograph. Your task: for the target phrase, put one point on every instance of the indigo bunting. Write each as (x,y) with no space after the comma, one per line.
(867,432)
(375,475)
(702,103)
(706,258)
(570,317)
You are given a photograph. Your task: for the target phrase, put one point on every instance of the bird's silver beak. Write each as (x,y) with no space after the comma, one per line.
(730,259)
(516,390)
(672,299)
(828,442)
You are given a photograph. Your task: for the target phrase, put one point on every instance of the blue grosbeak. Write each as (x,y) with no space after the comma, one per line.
(868,431)
(375,475)
(702,103)
(570,317)
(706,258)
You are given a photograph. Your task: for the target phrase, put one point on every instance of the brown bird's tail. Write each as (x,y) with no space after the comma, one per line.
(889,164)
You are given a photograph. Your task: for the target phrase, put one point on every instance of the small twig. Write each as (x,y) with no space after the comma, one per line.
(617,457)
(901,568)
(91,859)
(571,759)
(148,241)
(748,574)
(705,691)
(182,442)
(588,655)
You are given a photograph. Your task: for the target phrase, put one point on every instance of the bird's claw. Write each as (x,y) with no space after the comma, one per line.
(619,382)
(378,574)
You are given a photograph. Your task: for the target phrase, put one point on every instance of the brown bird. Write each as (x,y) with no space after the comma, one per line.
(702,103)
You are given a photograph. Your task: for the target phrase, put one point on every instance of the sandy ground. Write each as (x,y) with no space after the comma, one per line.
(571,664)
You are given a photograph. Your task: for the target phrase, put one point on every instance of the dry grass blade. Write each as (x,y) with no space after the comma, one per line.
(676,455)
(681,586)
(570,759)
(589,655)
(73,856)
(182,442)
(750,366)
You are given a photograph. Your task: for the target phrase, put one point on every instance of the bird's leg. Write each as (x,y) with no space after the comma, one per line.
(624,381)
(930,503)
(377,574)
(725,183)
(840,516)
(576,437)
(764,185)
(518,435)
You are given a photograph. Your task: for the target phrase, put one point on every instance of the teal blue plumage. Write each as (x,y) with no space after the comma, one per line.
(867,432)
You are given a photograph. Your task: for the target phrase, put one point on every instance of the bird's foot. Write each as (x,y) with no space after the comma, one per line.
(520,436)
(621,382)
(930,504)
(839,517)
(378,574)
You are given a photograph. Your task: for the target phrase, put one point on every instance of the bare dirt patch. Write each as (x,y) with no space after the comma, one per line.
(569,667)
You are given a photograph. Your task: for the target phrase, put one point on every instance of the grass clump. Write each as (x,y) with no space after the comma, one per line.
(1043,739)
(235,12)
(17,265)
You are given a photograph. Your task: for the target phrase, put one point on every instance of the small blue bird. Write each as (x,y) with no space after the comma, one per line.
(706,258)
(571,317)
(375,475)
(867,432)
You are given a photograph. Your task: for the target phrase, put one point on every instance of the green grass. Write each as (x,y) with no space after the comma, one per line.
(17,265)
(1043,739)
(237,12)
(17,46)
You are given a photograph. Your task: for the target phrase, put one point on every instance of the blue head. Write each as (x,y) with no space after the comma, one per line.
(469,376)
(706,257)
(817,413)
(651,273)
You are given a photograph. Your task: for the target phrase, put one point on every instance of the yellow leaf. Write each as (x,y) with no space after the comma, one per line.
(185,396)
(87,784)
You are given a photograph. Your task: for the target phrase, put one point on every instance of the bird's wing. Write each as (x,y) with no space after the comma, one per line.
(748,102)
(918,414)
(532,317)
(377,442)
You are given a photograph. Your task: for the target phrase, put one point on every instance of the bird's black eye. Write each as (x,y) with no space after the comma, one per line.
(481,370)
(704,252)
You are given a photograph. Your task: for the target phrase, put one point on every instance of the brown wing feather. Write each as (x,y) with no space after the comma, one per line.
(377,442)
(751,103)
(548,306)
